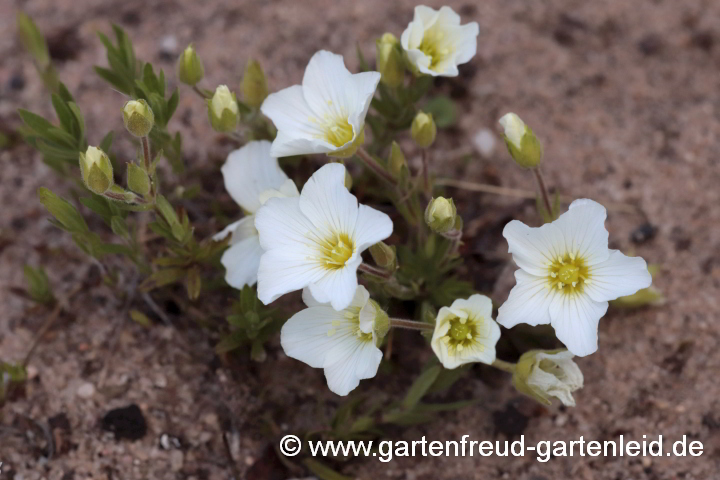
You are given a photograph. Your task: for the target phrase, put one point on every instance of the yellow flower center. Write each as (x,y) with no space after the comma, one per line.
(336,251)
(569,274)
(434,46)
(339,132)
(463,333)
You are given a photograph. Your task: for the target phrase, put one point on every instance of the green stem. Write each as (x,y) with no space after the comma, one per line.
(375,271)
(410,324)
(373,165)
(543,191)
(504,366)
(148,164)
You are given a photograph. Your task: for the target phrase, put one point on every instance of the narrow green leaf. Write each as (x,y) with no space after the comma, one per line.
(421,385)
(63,211)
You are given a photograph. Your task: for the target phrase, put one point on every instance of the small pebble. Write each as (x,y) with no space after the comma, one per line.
(86,390)
(177,460)
(484,141)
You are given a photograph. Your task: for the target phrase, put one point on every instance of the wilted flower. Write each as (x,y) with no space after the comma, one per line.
(465,332)
(567,275)
(344,343)
(251,176)
(436,43)
(546,375)
(316,240)
(326,114)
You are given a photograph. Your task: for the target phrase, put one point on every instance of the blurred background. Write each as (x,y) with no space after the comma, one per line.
(624,96)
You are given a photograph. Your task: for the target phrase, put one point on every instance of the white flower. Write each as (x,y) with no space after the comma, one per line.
(326,114)
(251,176)
(436,43)
(465,332)
(567,275)
(343,343)
(316,240)
(555,375)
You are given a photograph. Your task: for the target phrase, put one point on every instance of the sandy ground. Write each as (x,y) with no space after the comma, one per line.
(625,98)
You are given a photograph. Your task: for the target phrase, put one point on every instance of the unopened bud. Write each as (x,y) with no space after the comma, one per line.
(521,142)
(254,84)
(384,255)
(223,110)
(138,117)
(138,179)
(397,164)
(441,215)
(389,60)
(189,67)
(96,170)
(544,375)
(423,129)
(374,319)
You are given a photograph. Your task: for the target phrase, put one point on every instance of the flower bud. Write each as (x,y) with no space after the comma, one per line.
(138,179)
(96,170)
(441,215)
(223,110)
(189,67)
(544,375)
(389,60)
(138,117)
(374,318)
(384,255)
(521,142)
(397,164)
(423,129)
(254,84)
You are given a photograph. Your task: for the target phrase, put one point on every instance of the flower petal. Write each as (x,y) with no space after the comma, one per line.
(327,203)
(337,287)
(529,302)
(351,363)
(533,249)
(618,276)
(364,86)
(227,230)
(290,112)
(305,336)
(241,262)
(583,227)
(286,235)
(476,306)
(249,171)
(327,86)
(371,227)
(575,319)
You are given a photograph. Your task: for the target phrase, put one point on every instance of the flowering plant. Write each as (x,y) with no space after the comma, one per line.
(371,239)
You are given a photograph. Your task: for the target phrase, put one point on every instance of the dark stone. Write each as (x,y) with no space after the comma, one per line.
(643,233)
(705,41)
(127,423)
(650,45)
(17,82)
(511,421)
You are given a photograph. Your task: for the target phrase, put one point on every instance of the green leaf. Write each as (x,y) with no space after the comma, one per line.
(140,318)
(231,342)
(119,227)
(64,114)
(35,122)
(444,111)
(38,285)
(193,283)
(163,277)
(447,378)
(65,213)
(420,387)
(32,39)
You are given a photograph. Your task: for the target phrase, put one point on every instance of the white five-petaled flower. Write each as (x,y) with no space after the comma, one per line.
(326,114)
(315,240)
(436,43)
(568,274)
(344,343)
(251,176)
(465,332)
